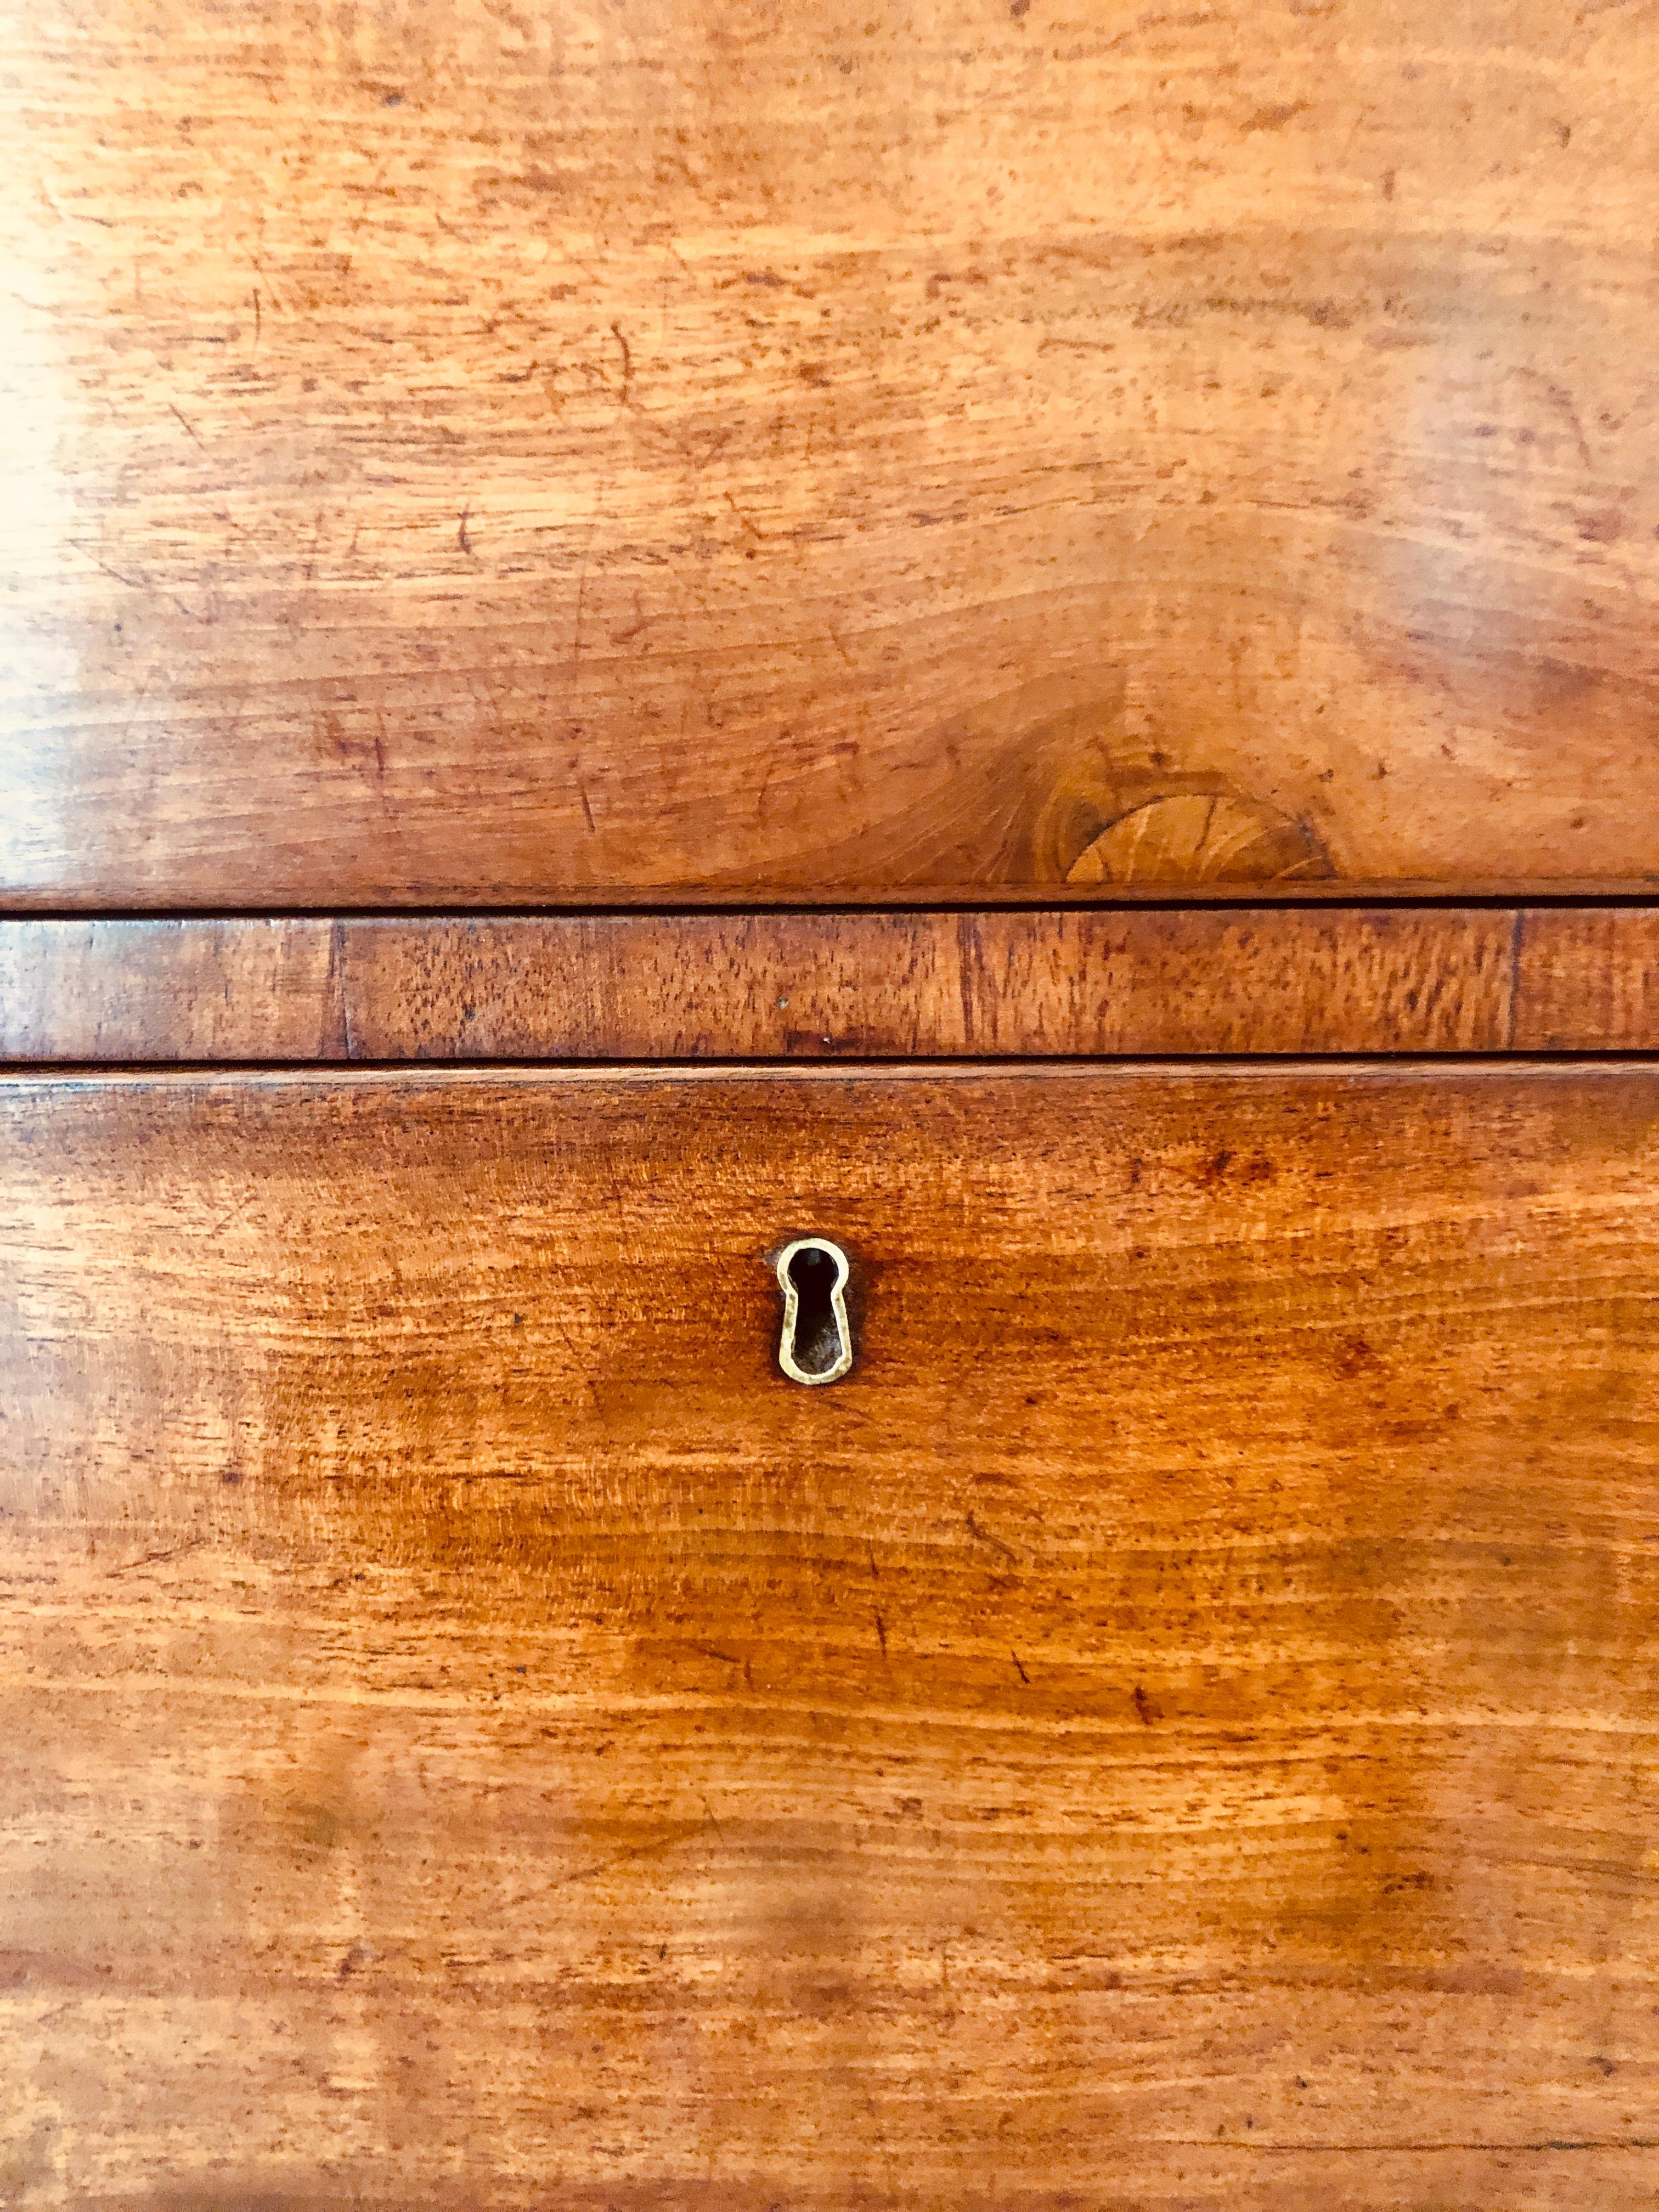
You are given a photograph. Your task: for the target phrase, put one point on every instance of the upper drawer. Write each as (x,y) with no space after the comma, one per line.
(581,454)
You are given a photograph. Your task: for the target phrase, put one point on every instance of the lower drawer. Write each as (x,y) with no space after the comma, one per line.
(1175,1726)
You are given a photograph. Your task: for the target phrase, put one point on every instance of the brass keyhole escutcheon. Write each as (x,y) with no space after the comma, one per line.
(817,1343)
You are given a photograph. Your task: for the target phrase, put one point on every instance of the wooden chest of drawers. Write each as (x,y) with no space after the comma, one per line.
(1016,637)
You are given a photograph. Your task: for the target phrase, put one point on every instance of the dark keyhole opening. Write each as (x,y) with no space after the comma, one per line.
(817,1340)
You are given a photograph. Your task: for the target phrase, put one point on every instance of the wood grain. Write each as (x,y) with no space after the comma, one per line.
(1175,1727)
(1020,984)
(212,990)
(690,987)
(914,986)
(1589,979)
(462,454)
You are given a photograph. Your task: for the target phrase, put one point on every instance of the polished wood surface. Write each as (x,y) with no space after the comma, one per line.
(1012,984)
(225,991)
(1590,980)
(462,452)
(1176,1728)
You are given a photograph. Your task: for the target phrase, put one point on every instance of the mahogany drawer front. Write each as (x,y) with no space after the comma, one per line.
(1175,1726)
(466,454)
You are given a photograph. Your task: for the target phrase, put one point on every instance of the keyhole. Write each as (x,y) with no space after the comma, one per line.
(816,1344)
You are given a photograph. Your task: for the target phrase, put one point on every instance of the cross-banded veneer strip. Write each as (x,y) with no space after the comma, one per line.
(983,985)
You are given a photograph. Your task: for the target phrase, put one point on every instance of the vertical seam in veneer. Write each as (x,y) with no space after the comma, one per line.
(340,954)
